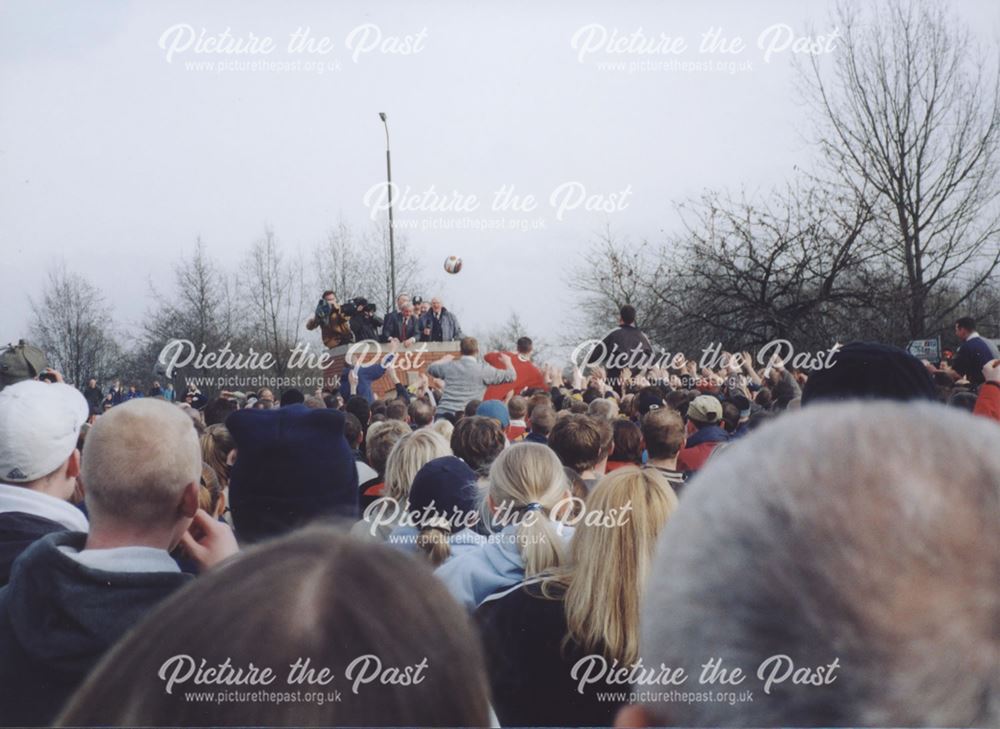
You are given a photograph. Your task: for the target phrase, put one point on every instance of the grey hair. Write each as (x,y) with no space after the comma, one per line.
(602,407)
(868,533)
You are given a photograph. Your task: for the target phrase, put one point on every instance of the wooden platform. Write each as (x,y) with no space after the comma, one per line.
(410,363)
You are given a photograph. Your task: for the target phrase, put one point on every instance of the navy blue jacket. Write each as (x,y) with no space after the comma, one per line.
(57,618)
(972,356)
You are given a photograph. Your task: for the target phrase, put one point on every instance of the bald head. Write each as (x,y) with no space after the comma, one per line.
(861,534)
(137,461)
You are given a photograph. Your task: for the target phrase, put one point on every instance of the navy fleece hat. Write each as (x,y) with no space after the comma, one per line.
(450,485)
(293,465)
(496,410)
(870,370)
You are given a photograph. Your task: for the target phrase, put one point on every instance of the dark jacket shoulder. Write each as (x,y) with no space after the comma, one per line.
(58,617)
(18,531)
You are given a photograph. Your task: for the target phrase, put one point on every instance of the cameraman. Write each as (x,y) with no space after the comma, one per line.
(364,323)
(333,324)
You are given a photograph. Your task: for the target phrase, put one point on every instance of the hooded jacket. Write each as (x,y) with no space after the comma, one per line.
(477,573)
(699,447)
(57,618)
(26,516)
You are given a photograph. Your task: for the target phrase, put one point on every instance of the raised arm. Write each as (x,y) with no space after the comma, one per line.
(494,376)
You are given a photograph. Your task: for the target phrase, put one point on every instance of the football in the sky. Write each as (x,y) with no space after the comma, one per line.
(453,264)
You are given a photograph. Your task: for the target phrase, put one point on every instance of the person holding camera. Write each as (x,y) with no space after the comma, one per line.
(333,324)
(364,323)
(439,324)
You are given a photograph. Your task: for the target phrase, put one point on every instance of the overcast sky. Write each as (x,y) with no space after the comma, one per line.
(120,145)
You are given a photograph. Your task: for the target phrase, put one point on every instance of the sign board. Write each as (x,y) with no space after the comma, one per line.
(929,349)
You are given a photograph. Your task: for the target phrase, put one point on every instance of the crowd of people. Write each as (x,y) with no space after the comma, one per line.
(530,545)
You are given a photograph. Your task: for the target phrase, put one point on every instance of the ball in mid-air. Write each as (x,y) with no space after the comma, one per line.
(453,264)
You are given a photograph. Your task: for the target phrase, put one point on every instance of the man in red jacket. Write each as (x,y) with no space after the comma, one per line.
(527,374)
(988,403)
(704,432)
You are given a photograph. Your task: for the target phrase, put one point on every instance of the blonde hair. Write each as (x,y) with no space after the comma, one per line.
(211,495)
(216,445)
(609,564)
(526,482)
(407,456)
(444,427)
(433,544)
(137,460)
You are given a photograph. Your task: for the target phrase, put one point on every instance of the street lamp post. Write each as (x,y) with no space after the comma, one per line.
(392,239)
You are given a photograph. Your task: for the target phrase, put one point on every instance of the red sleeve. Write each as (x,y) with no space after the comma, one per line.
(988,402)
(496,392)
(534,378)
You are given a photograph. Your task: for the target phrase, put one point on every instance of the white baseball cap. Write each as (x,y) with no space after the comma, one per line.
(39,426)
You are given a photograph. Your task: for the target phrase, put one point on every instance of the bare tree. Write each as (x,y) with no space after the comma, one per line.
(73,325)
(504,338)
(912,119)
(272,284)
(198,308)
(357,264)
(616,273)
(790,264)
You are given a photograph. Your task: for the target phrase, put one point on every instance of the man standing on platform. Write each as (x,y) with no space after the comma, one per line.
(334,326)
(402,324)
(439,324)
(627,344)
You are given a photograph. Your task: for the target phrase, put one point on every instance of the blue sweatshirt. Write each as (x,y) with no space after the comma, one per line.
(477,573)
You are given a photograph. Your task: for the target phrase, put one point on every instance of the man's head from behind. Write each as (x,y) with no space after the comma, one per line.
(857,533)
(627,315)
(141,470)
(39,427)
(581,441)
(543,417)
(705,410)
(469,346)
(664,433)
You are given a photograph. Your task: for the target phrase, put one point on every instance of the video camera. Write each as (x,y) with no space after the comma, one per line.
(358,305)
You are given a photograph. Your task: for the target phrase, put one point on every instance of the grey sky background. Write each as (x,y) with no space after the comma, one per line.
(114,160)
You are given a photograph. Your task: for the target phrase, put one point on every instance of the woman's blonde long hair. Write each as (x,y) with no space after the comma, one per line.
(609,565)
(526,483)
(216,445)
(407,457)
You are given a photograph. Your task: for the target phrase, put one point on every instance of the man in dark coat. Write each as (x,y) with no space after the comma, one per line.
(73,595)
(403,324)
(439,324)
(974,353)
(625,347)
